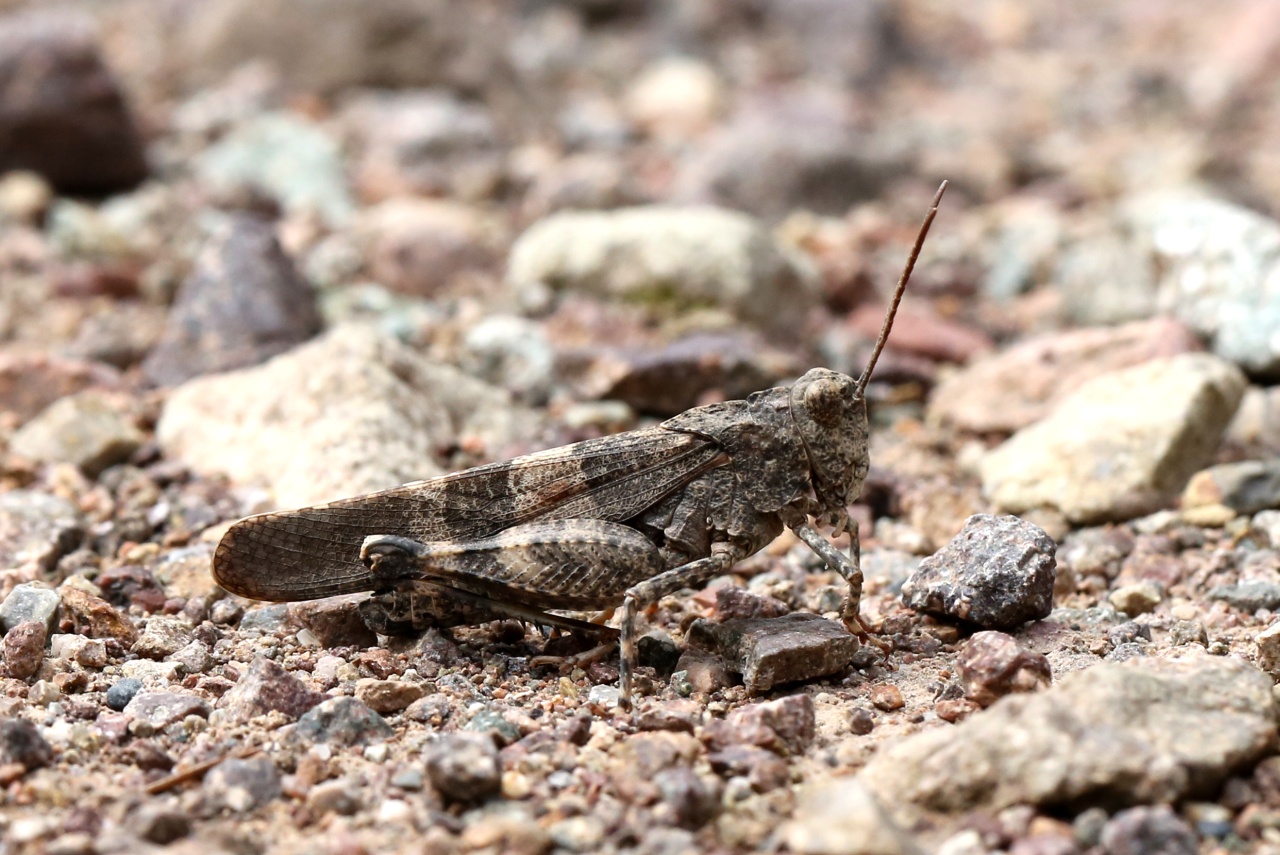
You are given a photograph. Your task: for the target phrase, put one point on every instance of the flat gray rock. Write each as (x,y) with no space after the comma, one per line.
(768,652)
(1116,734)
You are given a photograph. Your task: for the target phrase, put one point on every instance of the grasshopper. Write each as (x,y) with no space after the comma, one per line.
(621,520)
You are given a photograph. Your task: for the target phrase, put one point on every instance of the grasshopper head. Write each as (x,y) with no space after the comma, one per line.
(831,414)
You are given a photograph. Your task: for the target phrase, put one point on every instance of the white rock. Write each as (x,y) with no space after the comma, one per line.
(840,817)
(1122,445)
(351,412)
(669,257)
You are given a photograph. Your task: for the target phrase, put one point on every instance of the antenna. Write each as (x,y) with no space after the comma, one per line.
(897,293)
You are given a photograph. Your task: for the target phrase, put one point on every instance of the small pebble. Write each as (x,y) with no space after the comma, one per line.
(243,784)
(24,649)
(342,721)
(1136,599)
(387,696)
(339,796)
(769,652)
(22,744)
(1146,830)
(464,767)
(992,665)
(122,691)
(885,697)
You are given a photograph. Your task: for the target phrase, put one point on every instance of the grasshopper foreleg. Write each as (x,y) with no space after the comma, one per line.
(849,566)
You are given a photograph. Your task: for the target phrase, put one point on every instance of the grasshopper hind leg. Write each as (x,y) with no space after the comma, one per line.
(721,561)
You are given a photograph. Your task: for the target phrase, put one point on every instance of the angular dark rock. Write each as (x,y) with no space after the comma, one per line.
(20,742)
(335,622)
(1250,596)
(62,113)
(998,573)
(267,687)
(244,303)
(161,824)
(991,665)
(771,651)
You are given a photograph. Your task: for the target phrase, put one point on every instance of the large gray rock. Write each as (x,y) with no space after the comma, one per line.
(1210,263)
(1116,734)
(349,413)
(1122,445)
(669,258)
(292,161)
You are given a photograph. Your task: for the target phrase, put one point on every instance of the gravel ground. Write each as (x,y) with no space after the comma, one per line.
(251,260)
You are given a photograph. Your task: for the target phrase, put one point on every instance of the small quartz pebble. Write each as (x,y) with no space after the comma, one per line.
(27,602)
(992,665)
(95,617)
(1136,599)
(1269,648)
(24,649)
(842,817)
(342,721)
(162,637)
(387,696)
(998,573)
(339,796)
(464,767)
(768,652)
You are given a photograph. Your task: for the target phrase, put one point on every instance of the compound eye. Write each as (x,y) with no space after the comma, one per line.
(825,400)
